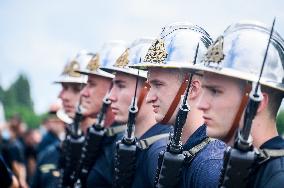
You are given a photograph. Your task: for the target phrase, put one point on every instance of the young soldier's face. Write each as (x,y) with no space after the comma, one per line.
(121,95)
(70,94)
(93,94)
(164,87)
(220,101)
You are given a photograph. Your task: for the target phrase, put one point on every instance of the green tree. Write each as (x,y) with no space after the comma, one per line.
(20,92)
(17,99)
(280,122)
(1,94)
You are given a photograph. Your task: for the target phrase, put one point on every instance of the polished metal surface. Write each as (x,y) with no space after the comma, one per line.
(107,56)
(70,74)
(131,56)
(176,45)
(239,53)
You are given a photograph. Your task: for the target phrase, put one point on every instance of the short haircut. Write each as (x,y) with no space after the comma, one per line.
(274,100)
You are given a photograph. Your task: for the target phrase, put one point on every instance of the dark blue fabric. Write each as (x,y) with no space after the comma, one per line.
(147,160)
(14,151)
(205,169)
(271,173)
(101,174)
(46,174)
(5,174)
(48,139)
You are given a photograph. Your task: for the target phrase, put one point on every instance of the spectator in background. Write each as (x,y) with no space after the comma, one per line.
(14,150)
(54,127)
(32,138)
(7,178)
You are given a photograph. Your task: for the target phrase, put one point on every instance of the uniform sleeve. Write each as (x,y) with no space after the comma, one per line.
(152,159)
(16,153)
(101,174)
(146,166)
(204,174)
(276,181)
(37,175)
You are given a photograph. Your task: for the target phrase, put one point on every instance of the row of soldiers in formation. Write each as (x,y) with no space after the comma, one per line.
(176,111)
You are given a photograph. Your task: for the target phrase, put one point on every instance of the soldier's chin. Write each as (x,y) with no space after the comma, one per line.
(89,113)
(120,120)
(158,117)
(213,133)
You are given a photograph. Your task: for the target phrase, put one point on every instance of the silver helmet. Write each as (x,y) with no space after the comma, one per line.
(107,56)
(175,47)
(131,56)
(239,53)
(69,74)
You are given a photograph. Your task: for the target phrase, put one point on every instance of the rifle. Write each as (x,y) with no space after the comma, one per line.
(238,161)
(74,144)
(92,146)
(126,149)
(171,161)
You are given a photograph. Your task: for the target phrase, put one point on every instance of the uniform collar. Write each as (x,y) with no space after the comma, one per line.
(195,138)
(155,130)
(274,143)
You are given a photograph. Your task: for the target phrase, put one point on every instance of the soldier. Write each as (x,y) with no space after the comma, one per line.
(232,63)
(47,173)
(174,49)
(72,83)
(13,150)
(121,96)
(96,104)
(54,129)
(99,82)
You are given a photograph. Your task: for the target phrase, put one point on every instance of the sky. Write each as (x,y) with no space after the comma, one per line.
(37,37)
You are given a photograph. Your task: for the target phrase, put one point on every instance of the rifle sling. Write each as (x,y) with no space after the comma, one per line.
(266,154)
(239,113)
(175,101)
(191,153)
(147,142)
(111,131)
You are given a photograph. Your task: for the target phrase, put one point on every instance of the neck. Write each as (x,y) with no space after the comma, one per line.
(263,129)
(144,121)
(193,122)
(86,123)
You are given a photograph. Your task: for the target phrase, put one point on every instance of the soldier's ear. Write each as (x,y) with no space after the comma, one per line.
(264,103)
(195,89)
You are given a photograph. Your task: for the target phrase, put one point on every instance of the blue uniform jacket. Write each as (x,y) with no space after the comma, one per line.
(101,174)
(47,173)
(271,173)
(205,169)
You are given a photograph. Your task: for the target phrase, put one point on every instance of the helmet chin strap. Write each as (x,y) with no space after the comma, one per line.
(142,94)
(238,116)
(176,100)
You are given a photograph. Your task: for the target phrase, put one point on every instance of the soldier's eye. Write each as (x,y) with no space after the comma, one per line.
(121,86)
(214,91)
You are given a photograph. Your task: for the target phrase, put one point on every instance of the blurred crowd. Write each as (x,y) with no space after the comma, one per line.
(20,146)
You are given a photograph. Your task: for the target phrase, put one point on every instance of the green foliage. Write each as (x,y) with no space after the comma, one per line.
(28,116)
(17,100)
(19,94)
(1,94)
(280,122)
